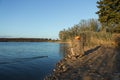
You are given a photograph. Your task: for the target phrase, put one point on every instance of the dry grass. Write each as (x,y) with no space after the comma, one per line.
(102,38)
(94,39)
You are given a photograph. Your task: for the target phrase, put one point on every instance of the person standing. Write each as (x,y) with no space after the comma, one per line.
(77,49)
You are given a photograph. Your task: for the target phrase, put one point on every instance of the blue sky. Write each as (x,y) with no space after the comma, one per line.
(42,18)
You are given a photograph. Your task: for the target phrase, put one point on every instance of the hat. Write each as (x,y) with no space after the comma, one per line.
(77,38)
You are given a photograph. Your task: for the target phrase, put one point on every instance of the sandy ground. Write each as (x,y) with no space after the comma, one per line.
(99,63)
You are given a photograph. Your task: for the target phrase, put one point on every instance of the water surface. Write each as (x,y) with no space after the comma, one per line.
(28,60)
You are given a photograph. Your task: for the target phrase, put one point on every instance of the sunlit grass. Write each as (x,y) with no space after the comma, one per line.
(101,38)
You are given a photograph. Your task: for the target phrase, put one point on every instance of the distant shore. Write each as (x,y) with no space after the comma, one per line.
(26,40)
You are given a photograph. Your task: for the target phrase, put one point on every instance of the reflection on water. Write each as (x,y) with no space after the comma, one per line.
(63,49)
(28,60)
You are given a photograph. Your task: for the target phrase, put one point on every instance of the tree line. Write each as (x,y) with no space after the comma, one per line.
(109,14)
(25,40)
(92,25)
(108,21)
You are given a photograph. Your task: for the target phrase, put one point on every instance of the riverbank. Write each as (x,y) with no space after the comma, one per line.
(98,63)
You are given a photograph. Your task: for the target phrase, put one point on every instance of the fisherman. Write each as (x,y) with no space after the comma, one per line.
(77,49)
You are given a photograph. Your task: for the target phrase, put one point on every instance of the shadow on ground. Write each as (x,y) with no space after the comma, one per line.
(91,50)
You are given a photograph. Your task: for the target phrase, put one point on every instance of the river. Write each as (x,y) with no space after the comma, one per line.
(28,60)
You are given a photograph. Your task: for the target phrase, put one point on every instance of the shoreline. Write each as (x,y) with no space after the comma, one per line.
(99,63)
(63,42)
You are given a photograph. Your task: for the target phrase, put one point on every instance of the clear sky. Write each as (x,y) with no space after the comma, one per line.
(42,18)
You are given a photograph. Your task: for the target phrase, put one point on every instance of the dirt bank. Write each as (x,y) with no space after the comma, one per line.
(99,63)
